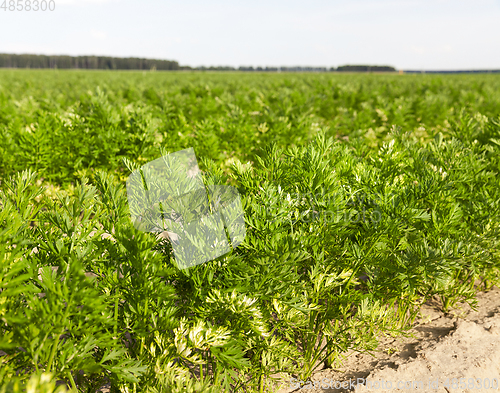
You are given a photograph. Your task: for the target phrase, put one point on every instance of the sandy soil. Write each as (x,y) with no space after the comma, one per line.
(450,352)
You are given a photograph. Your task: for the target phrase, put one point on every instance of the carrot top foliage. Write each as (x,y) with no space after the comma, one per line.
(361,193)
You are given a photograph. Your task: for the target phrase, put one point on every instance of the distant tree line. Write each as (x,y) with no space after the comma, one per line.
(85,62)
(365,68)
(453,72)
(134,63)
(347,68)
(285,69)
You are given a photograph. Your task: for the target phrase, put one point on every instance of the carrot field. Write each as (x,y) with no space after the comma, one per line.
(364,195)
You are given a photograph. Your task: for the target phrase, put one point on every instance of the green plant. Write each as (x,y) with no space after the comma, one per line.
(364,196)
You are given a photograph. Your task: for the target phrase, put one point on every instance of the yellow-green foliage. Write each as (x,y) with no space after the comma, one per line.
(361,193)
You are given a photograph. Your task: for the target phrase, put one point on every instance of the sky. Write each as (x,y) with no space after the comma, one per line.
(405,34)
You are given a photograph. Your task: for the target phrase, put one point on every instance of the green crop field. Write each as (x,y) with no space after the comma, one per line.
(364,196)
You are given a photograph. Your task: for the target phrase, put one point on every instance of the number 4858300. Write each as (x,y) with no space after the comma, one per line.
(28,5)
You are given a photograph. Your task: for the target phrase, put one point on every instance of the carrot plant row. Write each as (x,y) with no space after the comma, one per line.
(364,196)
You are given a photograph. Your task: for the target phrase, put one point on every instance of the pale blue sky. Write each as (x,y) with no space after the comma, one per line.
(407,34)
